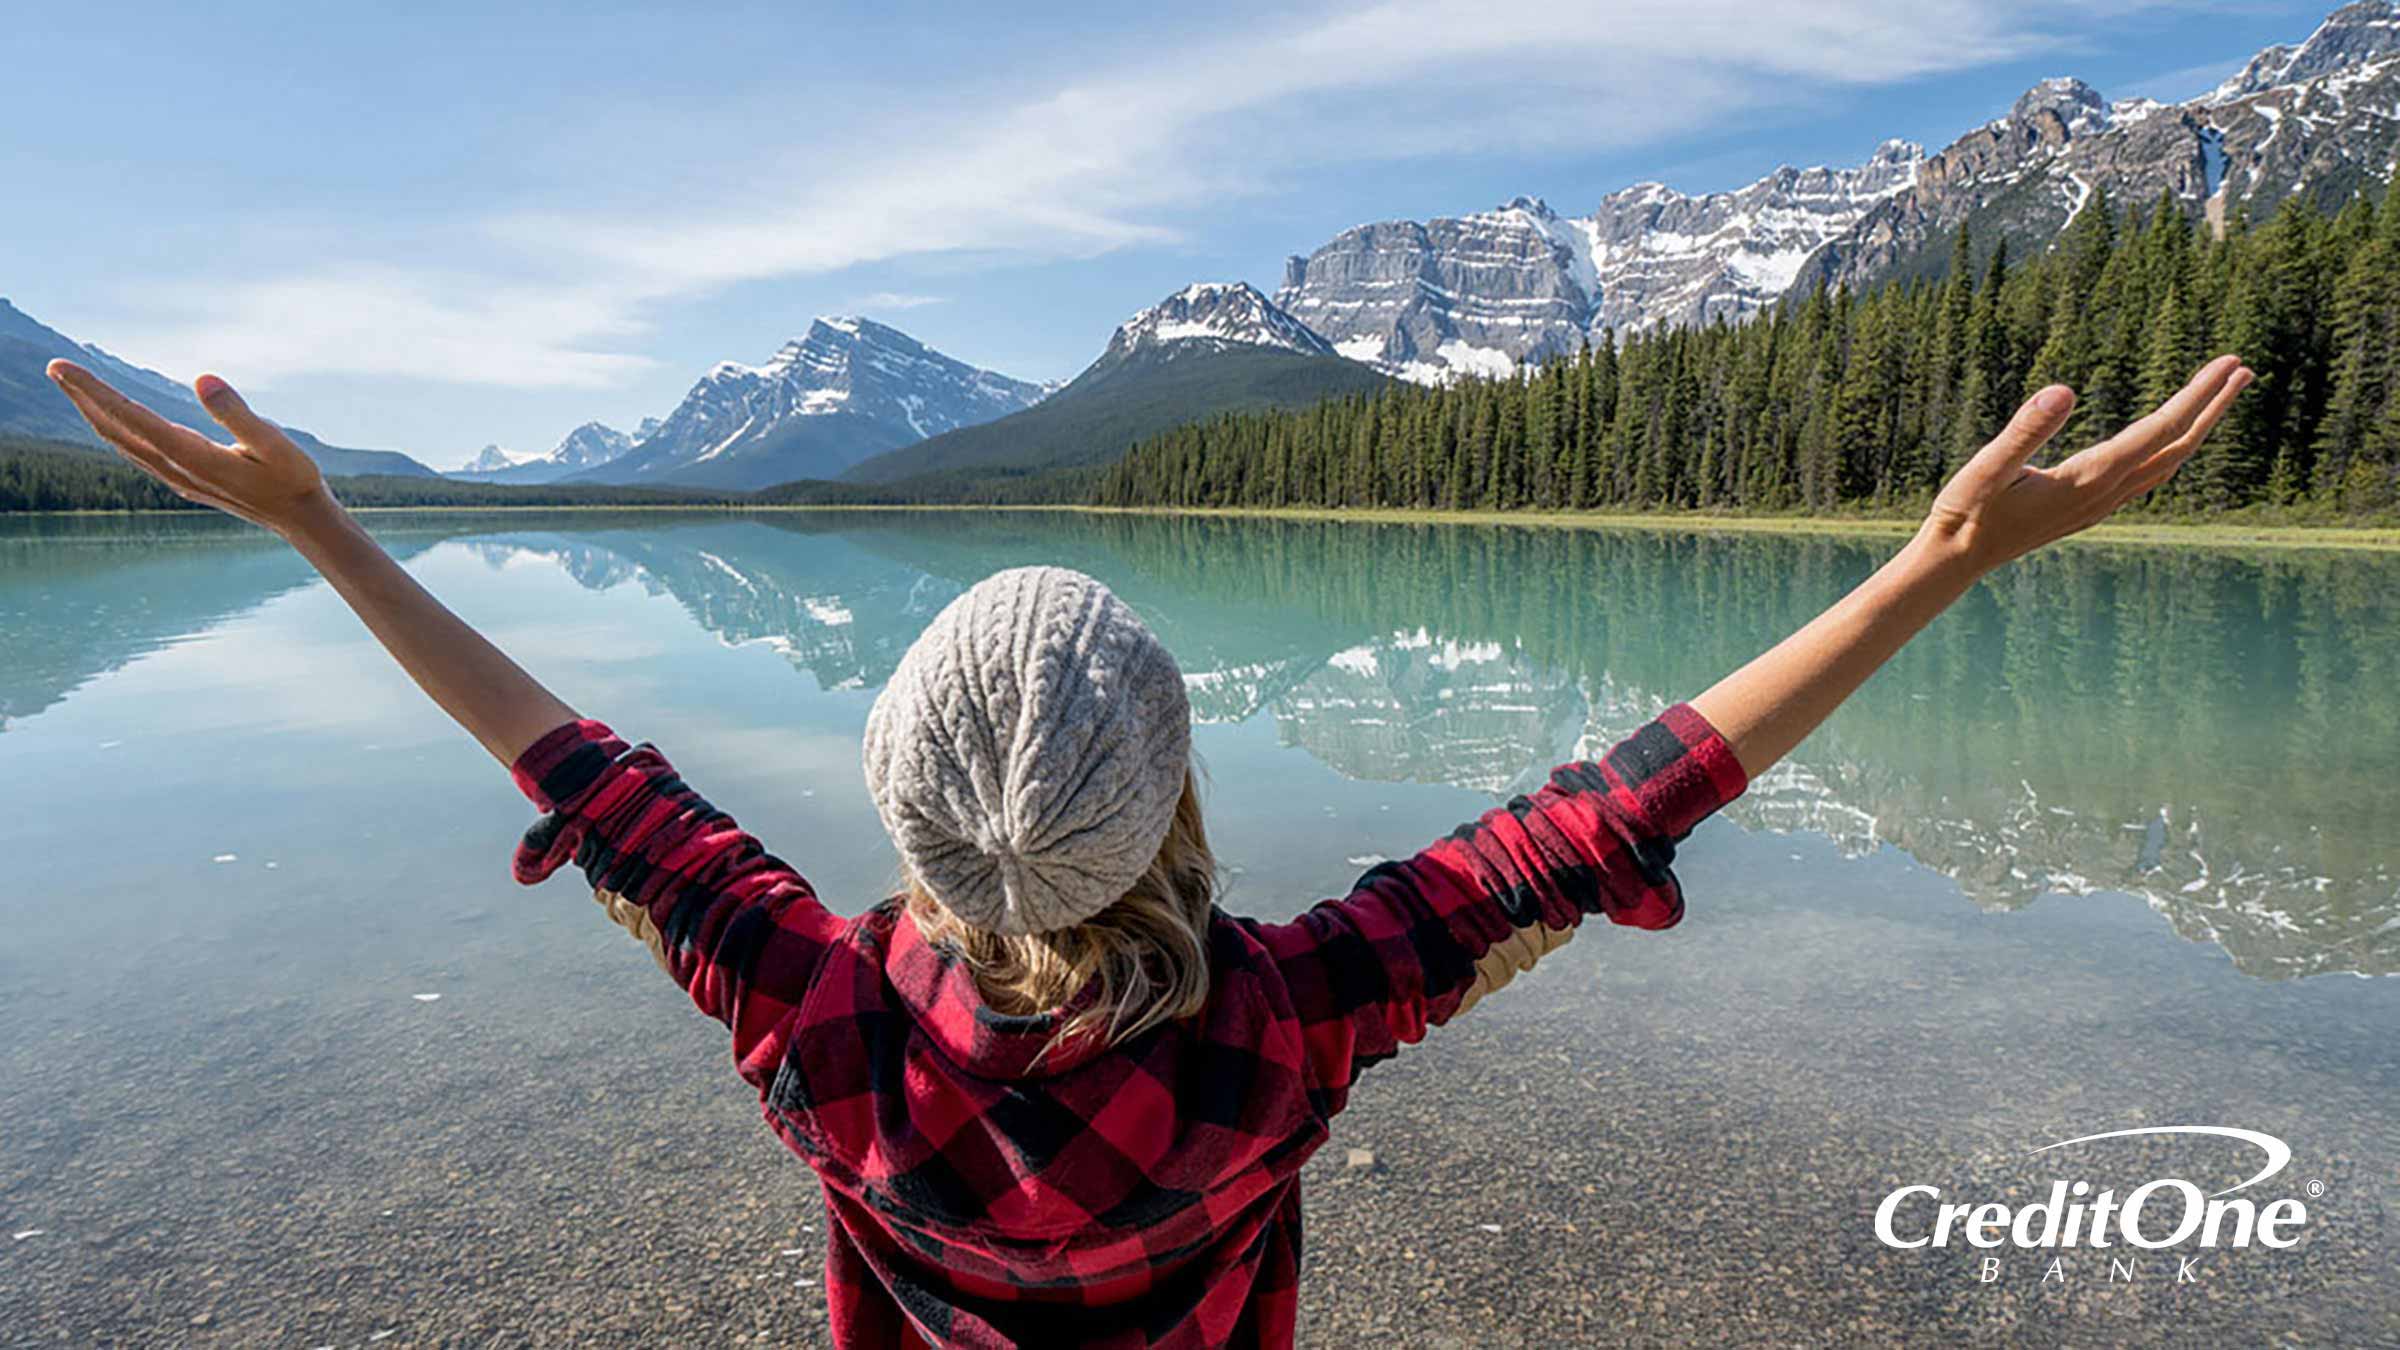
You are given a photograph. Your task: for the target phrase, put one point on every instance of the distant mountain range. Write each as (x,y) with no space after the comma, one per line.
(586,447)
(1206,349)
(870,405)
(31,406)
(1431,300)
(1475,294)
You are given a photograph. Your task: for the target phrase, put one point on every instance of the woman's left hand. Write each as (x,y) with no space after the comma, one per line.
(262,477)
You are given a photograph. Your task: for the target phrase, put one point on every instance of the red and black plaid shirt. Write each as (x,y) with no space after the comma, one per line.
(1142,1195)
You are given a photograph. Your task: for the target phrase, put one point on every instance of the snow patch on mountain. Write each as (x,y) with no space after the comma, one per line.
(591,444)
(2352,36)
(1213,316)
(492,458)
(1475,294)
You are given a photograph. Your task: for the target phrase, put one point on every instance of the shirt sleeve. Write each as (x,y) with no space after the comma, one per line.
(733,924)
(1416,941)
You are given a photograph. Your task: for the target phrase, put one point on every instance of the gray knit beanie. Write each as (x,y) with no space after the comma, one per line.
(1028,753)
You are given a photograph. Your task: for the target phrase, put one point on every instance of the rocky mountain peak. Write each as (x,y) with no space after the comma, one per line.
(846,388)
(1475,294)
(2077,106)
(489,459)
(1217,315)
(589,445)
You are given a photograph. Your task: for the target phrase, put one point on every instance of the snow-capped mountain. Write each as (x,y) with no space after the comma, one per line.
(593,444)
(2315,120)
(2354,35)
(1664,257)
(1204,350)
(491,459)
(1475,294)
(848,389)
(1212,316)
(1467,294)
(586,447)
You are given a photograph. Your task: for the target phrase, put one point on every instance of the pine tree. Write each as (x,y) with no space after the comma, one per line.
(2364,341)
(1863,402)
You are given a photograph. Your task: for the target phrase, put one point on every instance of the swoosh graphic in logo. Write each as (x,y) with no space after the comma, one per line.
(2279,1153)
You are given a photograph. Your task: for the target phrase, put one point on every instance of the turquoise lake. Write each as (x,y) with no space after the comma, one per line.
(2115,845)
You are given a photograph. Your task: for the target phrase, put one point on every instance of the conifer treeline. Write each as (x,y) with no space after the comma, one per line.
(41,475)
(51,476)
(1864,402)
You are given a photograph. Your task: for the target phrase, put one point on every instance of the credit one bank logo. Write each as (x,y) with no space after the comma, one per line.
(2158,1214)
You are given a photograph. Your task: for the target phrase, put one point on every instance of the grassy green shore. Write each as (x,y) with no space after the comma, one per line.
(2213,534)
(2198,534)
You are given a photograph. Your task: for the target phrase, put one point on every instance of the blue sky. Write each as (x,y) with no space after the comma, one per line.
(459,224)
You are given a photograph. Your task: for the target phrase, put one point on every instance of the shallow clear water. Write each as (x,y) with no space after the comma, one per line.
(2112,846)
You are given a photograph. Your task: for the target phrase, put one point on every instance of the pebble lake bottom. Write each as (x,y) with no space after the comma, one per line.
(291,1061)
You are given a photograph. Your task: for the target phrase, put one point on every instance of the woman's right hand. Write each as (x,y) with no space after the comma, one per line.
(1998,507)
(262,477)
(1995,508)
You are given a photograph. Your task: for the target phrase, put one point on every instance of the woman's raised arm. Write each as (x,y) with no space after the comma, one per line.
(1996,508)
(265,479)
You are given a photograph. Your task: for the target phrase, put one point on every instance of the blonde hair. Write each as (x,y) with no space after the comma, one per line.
(1144,958)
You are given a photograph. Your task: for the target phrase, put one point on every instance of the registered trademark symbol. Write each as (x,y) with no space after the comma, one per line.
(2315,1189)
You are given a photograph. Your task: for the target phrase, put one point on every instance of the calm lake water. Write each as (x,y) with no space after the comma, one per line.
(2112,846)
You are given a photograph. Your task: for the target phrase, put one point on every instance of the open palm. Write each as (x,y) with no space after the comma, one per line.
(262,477)
(1998,506)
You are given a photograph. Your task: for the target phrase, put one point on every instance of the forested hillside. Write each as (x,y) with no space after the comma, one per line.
(1848,402)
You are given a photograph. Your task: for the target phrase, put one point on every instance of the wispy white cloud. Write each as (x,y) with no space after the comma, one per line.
(1105,162)
(379,319)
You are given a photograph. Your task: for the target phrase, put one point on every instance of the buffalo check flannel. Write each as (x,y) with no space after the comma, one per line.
(1145,1194)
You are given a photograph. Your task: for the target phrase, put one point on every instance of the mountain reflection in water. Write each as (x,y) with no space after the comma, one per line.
(2211,731)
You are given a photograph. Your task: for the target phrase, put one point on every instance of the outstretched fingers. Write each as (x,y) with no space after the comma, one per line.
(232,413)
(163,436)
(130,443)
(2171,419)
(1998,464)
(120,422)
(2117,461)
(2198,393)
(2161,466)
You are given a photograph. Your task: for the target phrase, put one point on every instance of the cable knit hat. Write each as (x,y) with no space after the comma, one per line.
(1029,752)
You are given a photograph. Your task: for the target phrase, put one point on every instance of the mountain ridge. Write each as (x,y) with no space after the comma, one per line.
(588,446)
(1207,349)
(31,406)
(1475,294)
(845,390)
